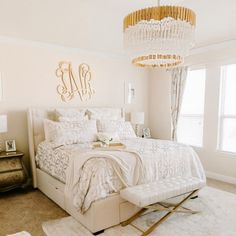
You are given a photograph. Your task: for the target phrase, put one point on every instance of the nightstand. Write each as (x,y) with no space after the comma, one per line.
(13,173)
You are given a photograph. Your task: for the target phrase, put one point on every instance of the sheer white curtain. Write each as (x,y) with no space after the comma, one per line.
(178,79)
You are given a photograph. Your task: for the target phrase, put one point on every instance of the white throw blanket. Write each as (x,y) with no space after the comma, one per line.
(127,165)
(144,160)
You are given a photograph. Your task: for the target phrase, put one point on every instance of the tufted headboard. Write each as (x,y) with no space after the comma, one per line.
(36,131)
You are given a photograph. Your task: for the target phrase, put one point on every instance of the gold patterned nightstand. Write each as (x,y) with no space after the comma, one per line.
(13,173)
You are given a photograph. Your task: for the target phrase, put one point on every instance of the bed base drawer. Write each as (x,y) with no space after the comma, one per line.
(53,188)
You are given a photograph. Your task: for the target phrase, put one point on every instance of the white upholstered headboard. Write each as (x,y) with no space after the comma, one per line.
(36,131)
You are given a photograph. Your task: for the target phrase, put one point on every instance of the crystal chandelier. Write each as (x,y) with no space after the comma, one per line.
(159,36)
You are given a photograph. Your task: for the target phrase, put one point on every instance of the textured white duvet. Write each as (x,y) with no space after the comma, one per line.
(94,174)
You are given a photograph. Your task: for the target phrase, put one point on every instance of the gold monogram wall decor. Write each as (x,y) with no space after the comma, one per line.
(72,84)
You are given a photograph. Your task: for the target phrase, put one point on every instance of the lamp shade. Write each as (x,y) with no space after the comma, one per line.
(3,123)
(137,118)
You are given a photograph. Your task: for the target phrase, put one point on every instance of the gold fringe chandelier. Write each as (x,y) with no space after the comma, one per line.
(159,36)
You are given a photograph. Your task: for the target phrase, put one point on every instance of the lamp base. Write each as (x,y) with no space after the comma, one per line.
(137,130)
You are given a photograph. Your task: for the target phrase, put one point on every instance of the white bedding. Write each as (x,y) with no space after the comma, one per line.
(94,174)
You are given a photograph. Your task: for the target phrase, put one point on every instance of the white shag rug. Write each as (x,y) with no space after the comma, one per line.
(217,218)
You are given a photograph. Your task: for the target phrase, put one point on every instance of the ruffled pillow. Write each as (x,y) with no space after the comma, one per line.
(70,133)
(124,129)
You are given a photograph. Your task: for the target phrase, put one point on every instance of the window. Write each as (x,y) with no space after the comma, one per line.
(190,125)
(227,125)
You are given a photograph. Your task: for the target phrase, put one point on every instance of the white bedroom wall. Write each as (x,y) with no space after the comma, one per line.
(218,165)
(28,75)
(159,104)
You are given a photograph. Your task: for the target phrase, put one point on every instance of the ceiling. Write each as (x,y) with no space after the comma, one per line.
(97,24)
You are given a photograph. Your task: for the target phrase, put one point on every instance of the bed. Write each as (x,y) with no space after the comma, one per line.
(109,209)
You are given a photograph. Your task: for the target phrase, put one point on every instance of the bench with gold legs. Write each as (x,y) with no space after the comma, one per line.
(151,196)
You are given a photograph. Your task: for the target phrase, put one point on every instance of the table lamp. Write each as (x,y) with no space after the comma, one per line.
(3,127)
(137,118)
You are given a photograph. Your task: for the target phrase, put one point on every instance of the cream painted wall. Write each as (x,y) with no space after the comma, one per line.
(159,98)
(219,165)
(28,73)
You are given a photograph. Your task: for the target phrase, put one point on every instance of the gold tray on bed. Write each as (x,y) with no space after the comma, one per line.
(110,146)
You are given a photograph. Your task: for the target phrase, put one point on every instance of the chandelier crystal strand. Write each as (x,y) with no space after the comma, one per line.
(159,36)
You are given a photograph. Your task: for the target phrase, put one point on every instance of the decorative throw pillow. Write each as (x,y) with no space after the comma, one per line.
(72,119)
(70,133)
(105,114)
(123,128)
(74,113)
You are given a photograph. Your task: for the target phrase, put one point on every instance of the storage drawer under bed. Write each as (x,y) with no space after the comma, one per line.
(53,188)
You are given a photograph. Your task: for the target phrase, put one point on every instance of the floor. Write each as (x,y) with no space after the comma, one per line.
(27,209)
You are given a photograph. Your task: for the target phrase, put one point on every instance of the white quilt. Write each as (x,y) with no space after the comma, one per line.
(144,160)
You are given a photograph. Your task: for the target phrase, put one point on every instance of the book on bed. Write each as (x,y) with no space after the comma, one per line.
(113,145)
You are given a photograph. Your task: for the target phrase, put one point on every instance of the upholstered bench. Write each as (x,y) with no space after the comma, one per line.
(151,195)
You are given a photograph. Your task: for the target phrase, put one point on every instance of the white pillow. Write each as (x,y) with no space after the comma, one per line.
(105,114)
(70,133)
(72,119)
(123,128)
(75,113)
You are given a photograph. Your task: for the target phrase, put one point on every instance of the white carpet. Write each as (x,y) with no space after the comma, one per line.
(217,218)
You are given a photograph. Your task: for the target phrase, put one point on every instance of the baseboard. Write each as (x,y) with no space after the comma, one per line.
(224,178)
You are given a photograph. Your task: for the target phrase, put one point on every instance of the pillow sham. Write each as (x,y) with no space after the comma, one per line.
(75,113)
(104,114)
(124,129)
(72,119)
(70,133)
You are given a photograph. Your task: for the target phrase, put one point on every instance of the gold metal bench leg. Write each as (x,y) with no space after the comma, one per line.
(182,209)
(160,207)
(168,214)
